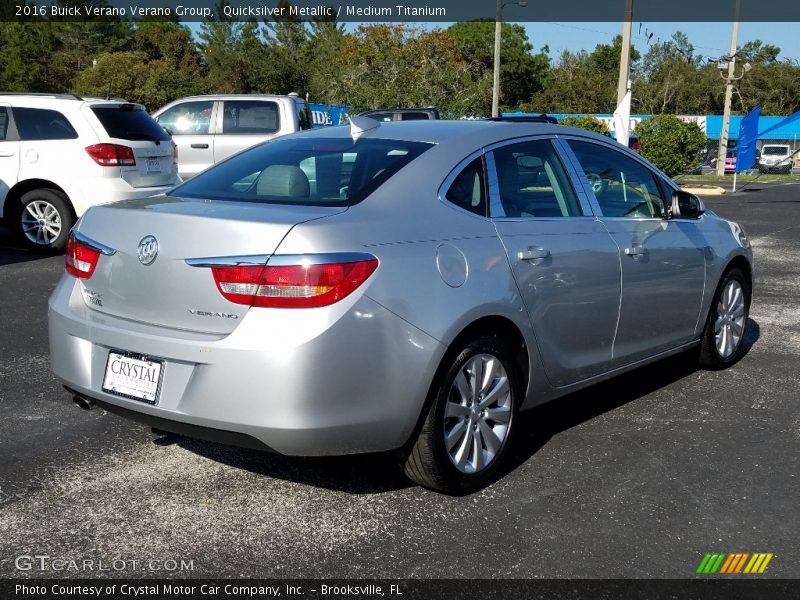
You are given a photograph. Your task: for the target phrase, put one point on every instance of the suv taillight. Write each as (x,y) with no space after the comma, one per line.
(112,155)
(292,286)
(80,260)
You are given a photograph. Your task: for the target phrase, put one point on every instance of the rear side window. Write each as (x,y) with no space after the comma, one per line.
(43,124)
(304,171)
(303,116)
(129,122)
(242,117)
(3,124)
(468,191)
(414,116)
(533,183)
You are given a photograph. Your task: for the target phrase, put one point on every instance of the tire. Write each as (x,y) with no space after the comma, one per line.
(44,220)
(722,343)
(480,437)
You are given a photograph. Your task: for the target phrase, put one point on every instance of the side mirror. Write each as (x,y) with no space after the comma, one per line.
(685,206)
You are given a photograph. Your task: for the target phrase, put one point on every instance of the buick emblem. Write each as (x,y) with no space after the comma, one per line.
(148,250)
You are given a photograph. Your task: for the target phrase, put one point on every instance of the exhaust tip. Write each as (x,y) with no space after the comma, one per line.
(83,403)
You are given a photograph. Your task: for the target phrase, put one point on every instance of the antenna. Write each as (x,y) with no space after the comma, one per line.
(361,125)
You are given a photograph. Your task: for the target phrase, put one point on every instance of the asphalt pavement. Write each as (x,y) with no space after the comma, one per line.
(636,477)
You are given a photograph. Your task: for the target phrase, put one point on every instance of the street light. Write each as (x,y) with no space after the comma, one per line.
(498,24)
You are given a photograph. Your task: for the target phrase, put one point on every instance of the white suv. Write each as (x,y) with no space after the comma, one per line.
(775,158)
(207,129)
(61,154)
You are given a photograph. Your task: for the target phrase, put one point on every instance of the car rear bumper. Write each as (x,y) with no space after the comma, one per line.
(344,379)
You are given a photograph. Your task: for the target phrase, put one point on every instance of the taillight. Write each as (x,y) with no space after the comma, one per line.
(292,286)
(112,155)
(80,260)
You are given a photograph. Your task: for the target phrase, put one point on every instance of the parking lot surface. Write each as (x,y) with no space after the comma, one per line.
(636,477)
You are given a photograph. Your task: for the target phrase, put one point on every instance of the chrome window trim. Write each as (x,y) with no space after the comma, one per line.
(228,261)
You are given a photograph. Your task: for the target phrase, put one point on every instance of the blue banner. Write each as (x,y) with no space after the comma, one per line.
(748,134)
(329,114)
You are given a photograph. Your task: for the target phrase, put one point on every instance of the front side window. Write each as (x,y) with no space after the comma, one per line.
(43,124)
(533,183)
(623,186)
(304,171)
(187,118)
(243,117)
(468,190)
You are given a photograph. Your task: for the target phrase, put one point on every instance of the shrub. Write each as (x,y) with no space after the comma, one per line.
(669,143)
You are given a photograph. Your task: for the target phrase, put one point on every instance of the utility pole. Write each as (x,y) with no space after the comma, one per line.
(625,56)
(498,28)
(726,116)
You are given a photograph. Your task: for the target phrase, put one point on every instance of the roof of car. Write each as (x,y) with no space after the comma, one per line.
(238,97)
(466,131)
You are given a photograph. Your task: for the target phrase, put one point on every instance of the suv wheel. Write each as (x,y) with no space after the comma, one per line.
(44,220)
(467,430)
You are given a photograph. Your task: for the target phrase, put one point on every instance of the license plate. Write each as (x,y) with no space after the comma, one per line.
(133,376)
(153,165)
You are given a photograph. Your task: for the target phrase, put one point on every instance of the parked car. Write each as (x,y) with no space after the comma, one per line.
(61,154)
(402,114)
(210,128)
(775,158)
(414,298)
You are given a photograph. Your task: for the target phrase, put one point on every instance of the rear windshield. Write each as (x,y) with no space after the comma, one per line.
(304,170)
(775,150)
(129,122)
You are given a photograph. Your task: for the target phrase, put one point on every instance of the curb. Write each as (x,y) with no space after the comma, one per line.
(704,190)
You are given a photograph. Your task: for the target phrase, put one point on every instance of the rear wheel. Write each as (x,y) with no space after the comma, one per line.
(44,220)
(467,429)
(722,343)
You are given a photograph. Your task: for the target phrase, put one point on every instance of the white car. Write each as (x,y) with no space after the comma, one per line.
(775,158)
(61,154)
(209,128)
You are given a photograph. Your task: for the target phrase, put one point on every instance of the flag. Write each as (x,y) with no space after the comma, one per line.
(622,119)
(748,134)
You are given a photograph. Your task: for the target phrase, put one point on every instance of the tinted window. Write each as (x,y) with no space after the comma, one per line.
(414,116)
(3,123)
(249,117)
(187,118)
(386,116)
(623,186)
(129,122)
(775,150)
(42,124)
(323,171)
(533,182)
(303,116)
(468,191)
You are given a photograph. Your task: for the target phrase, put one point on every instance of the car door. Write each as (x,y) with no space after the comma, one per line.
(663,260)
(190,125)
(245,123)
(9,154)
(566,265)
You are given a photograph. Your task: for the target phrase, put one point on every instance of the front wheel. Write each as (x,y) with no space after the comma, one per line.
(472,411)
(44,220)
(722,343)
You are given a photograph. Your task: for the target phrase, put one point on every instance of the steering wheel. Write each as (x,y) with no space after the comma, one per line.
(597,183)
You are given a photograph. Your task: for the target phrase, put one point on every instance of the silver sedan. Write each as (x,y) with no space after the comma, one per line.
(400,286)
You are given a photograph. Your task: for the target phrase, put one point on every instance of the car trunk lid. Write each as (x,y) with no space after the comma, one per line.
(168,291)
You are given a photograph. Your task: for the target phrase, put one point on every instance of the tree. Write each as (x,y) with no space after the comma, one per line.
(669,143)
(586,122)
(521,72)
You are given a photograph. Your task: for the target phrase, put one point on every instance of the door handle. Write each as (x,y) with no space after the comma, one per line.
(199,146)
(636,251)
(533,253)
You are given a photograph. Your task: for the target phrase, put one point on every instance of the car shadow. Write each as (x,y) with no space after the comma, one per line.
(379,473)
(12,251)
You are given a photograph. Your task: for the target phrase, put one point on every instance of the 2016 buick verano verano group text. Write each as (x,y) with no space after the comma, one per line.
(403,286)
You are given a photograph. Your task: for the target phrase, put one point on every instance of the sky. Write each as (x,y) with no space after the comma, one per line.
(709,39)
